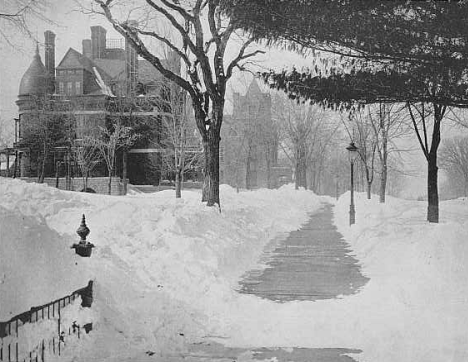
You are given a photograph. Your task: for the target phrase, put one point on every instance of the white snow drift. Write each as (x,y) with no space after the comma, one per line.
(166,271)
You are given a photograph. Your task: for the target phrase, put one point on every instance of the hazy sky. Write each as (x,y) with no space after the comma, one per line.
(71,27)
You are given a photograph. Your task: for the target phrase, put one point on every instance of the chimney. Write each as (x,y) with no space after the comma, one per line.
(98,41)
(87,48)
(49,56)
(131,62)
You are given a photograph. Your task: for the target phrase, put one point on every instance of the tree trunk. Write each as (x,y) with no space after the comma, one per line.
(211,142)
(247,173)
(368,183)
(268,170)
(124,170)
(109,184)
(383,158)
(85,181)
(432,169)
(44,159)
(432,189)
(178,183)
(383,183)
(301,172)
(57,174)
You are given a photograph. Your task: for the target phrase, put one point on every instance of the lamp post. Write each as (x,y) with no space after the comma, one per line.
(352,154)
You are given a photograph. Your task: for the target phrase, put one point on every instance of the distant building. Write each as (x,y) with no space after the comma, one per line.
(249,143)
(93,88)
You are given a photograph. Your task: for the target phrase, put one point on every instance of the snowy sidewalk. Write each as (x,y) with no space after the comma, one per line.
(312,263)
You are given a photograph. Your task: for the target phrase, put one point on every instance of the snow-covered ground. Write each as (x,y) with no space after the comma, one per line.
(166,271)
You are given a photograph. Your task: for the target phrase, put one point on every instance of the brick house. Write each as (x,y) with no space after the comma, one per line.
(103,82)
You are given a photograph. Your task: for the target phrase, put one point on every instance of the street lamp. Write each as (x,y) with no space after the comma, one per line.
(352,154)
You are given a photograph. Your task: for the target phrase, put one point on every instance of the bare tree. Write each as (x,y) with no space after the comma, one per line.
(182,149)
(201,37)
(16,16)
(361,132)
(425,116)
(110,141)
(86,155)
(322,143)
(301,127)
(389,123)
(454,160)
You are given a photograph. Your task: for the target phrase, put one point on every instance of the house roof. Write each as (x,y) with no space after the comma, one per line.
(113,67)
(74,59)
(36,79)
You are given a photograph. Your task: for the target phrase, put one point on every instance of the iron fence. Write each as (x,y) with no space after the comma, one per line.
(14,347)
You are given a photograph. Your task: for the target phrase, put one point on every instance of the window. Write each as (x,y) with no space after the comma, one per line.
(69,88)
(61,88)
(77,87)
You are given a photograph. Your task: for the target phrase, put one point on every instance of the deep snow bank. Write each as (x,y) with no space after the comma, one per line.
(166,272)
(165,269)
(36,263)
(418,278)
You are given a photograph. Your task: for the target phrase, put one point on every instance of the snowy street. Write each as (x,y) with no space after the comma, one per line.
(168,283)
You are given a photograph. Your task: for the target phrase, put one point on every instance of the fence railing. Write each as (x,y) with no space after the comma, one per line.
(15,344)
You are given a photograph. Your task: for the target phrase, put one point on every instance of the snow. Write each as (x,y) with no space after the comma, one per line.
(166,272)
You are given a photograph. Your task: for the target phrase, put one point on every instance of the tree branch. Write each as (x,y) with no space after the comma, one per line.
(421,143)
(168,43)
(179,9)
(132,36)
(174,23)
(241,56)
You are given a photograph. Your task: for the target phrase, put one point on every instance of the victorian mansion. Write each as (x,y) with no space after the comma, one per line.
(87,91)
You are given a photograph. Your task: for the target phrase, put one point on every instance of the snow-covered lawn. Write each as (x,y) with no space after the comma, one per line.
(166,271)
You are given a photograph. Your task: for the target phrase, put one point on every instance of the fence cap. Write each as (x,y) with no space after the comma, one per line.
(83,231)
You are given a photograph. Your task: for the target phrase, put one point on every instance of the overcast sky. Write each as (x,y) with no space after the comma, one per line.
(71,27)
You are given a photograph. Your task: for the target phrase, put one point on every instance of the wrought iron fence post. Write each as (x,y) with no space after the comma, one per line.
(83,248)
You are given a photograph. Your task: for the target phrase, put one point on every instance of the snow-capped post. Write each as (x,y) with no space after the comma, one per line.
(83,248)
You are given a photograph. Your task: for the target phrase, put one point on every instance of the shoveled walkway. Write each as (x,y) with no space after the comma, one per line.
(312,263)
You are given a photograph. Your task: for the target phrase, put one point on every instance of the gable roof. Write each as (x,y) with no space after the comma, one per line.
(74,59)
(113,67)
